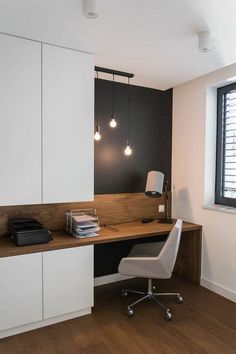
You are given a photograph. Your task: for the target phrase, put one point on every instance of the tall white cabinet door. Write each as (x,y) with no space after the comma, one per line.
(20,121)
(68,280)
(21,290)
(68,110)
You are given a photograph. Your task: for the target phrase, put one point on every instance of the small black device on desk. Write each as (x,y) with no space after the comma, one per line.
(25,232)
(147,220)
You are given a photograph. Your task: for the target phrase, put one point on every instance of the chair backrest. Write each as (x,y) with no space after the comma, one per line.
(168,254)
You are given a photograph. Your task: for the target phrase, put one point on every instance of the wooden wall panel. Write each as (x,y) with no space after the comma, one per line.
(111,209)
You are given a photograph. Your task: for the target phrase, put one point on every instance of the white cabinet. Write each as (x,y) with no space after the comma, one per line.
(46,123)
(68,280)
(43,288)
(20,121)
(21,290)
(68,110)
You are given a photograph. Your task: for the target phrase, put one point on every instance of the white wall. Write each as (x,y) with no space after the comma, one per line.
(193,169)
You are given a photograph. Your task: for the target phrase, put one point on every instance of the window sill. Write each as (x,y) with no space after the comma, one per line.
(221,208)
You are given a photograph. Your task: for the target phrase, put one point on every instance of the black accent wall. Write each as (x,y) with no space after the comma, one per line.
(150,135)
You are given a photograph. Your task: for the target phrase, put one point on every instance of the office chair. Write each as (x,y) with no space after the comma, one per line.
(154,260)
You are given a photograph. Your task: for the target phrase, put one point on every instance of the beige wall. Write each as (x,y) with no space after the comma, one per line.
(193,169)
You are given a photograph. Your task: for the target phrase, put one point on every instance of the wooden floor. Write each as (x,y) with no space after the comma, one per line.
(204,323)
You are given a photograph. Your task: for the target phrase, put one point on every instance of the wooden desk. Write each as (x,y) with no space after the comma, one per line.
(188,264)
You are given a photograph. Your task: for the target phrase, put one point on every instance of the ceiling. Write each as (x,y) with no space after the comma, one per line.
(154,39)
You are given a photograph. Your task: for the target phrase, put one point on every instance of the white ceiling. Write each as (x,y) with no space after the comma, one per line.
(154,39)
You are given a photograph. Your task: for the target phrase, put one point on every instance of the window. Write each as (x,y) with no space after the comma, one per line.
(226,146)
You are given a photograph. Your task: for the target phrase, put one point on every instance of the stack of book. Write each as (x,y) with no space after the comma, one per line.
(85,226)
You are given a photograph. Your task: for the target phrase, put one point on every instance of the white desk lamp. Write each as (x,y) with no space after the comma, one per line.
(154,189)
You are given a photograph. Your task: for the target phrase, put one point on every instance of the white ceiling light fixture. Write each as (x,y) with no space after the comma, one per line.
(89,9)
(204,41)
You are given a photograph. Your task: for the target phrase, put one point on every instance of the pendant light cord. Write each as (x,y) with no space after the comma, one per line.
(97,103)
(128,108)
(113,102)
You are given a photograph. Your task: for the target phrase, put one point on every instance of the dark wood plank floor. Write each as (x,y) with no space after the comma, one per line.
(204,323)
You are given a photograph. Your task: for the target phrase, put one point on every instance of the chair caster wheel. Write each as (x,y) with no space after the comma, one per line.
(130,312)
(179,299)
(168,316)
(124,293)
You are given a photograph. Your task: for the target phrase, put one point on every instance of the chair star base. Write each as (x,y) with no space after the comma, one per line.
(150,295)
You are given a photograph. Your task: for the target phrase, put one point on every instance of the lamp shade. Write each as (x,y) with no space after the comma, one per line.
(154,185)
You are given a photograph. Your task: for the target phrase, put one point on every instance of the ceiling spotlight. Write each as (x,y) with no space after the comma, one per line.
(204,41)
(89,9)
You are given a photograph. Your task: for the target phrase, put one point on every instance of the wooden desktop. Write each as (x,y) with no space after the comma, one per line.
(188,264)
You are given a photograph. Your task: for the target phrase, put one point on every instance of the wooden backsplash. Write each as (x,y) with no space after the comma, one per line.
(111,209)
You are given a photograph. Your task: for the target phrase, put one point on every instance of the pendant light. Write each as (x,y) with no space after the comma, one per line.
(128,150)
(97,135)
(113,122)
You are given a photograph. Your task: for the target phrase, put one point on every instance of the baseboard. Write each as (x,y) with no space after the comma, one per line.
(219,289)
(44,323)
(111,278)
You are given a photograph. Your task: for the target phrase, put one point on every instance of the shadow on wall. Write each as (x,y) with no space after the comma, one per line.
(206,259)
(181,205)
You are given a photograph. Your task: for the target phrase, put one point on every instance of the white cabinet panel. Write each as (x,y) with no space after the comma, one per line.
(68,280)
(68,111)
(20,121)
(21,290)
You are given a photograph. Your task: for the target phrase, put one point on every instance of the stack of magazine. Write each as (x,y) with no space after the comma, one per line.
(82,224)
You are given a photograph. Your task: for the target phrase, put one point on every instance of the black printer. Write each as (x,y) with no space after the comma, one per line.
(25,232)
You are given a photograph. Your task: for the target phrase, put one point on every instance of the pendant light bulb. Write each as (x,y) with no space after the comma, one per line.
(128,150)
(113,122)
(97,135)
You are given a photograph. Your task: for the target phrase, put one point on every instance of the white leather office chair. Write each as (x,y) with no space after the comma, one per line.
(153,261)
